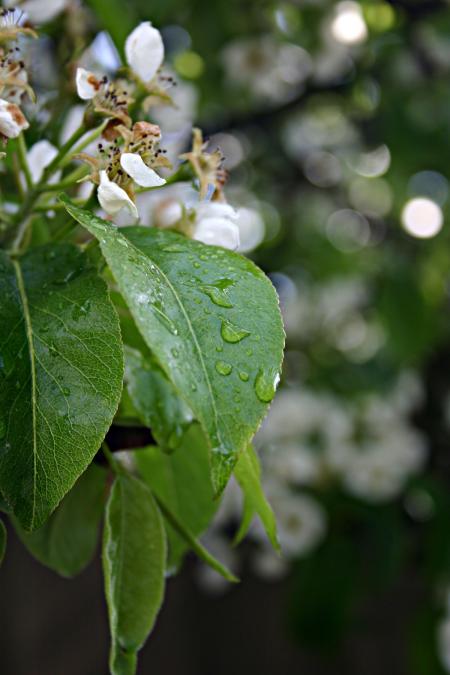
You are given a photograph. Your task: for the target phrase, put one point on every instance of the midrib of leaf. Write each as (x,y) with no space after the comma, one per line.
(30,341)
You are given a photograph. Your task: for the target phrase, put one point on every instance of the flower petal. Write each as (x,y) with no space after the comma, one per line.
(218,232)
(144,50)
(41,11)
(88,84)
(113,198)
(12,119)
(136,168)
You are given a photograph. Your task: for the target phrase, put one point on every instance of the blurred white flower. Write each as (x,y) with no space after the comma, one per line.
(39,157)
(144,50)
(268,565)
(251,229)
(39,11)
(216,224)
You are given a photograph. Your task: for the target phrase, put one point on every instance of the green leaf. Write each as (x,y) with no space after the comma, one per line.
(3,540)
(182,481)
(134,555)
(154,397)
(67,541)
(193,542)
(248,475)
(61,369)
(212,320)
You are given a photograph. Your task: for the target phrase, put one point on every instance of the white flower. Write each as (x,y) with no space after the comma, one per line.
(251,229)
(216,224)
(12,120)
(144,50)
(142,174)
(39,11)
(39,157)
(113,198)
(88,84)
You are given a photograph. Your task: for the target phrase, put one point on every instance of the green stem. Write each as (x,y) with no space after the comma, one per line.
(67,182)
(87,141)
(23,160)
(61,156)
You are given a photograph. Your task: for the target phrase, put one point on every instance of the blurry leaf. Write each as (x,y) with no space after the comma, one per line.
(3,540)
(154,397)
(248,475)
(212,320)
(61,364)
(182,481)
(67,541)
(134,555)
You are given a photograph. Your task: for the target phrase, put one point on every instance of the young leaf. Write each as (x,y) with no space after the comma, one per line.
(248,475)
(155,399)
(182,481)
(193,542)
(3,540)
(67,541)
(134,555)
(212,320)
(61,369)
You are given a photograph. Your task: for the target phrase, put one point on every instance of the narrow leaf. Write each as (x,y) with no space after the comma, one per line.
(67,541)
(61,369)
(212,320)
(194,544)
(182,481)
(155,399)
(248,475)
(134,554)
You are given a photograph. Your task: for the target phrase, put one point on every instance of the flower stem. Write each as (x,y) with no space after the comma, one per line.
(23,160)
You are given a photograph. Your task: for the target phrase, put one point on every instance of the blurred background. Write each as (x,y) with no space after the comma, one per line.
(334,118)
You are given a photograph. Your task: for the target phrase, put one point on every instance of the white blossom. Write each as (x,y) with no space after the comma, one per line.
(39,156)
(142,174)
(216,224)
(88,84)
(12,120)
(144,50)
(39,11)
(113,198)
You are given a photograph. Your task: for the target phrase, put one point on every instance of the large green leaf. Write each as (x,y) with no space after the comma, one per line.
(211,318)
(182,481)
(134,556)
(61,369)
(155,399)
(248,475)
(67,541)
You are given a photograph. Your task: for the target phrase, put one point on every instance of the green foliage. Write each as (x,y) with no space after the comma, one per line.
(67,541)
(182,481)
(212,320)
(134,555)
(248,475)
(61,364)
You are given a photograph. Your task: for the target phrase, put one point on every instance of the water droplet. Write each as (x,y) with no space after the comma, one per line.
(194,387)
(197,265)
(266,384)
(249,352)
(243,376)
(203,257)
(223,368)
(218,293)
(122,242)
(66,391)
(142,298)
(175,352)
(232,333)
(173,248)
(219,348)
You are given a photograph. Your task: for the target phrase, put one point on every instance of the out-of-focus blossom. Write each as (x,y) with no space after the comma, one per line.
(39,11)
(12,120)
(216,223)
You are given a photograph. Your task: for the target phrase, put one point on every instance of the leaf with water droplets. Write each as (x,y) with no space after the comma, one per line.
(232,290)
(62,376)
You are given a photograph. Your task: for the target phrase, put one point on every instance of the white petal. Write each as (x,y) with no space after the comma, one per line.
(136,168)
(39,156)
(144,50)
(112,197)
(216,210)
(88,84)
(12,120)
(218,232)
(41,11)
